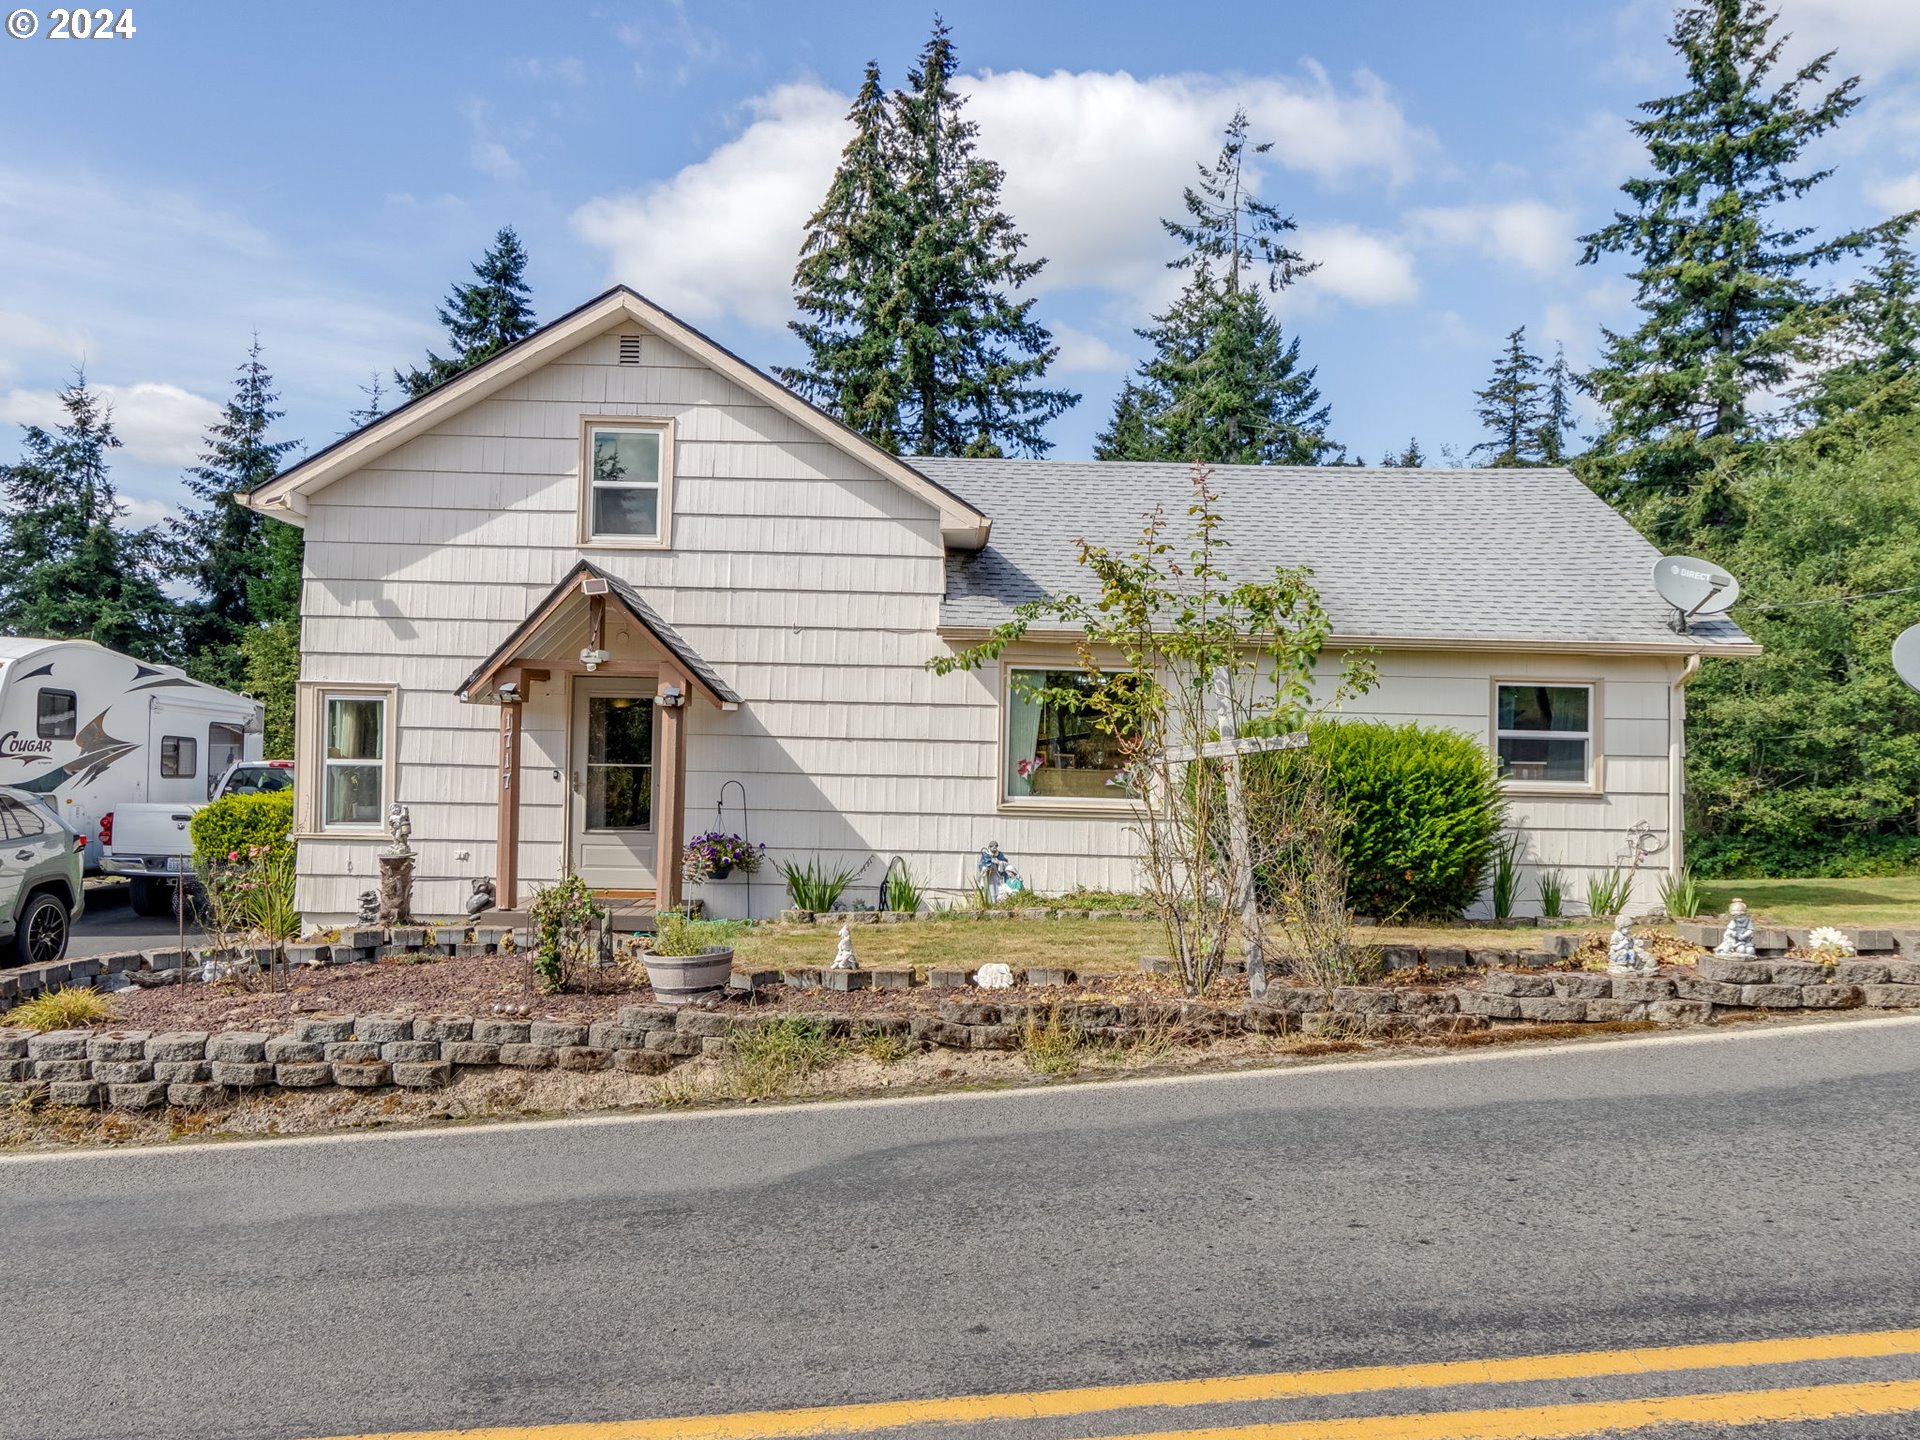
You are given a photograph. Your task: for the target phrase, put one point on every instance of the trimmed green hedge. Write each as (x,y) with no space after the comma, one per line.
(236,823)
(1424,808)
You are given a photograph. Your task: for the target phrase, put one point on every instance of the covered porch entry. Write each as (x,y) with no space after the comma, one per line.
(625,679)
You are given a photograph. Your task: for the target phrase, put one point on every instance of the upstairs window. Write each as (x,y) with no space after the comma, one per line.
(1543,734)
(627,492)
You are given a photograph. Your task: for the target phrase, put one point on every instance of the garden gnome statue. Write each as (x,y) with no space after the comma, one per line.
(995,874)
(1739,937)
(1624,955)
(481,900)
(843,952)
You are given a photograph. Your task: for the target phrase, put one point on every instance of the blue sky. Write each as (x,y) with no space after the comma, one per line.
(323,173)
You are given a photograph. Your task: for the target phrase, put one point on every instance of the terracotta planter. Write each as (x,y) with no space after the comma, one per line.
(677,979)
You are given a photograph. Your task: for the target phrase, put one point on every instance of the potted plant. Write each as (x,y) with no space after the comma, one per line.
(714,856)
(681,964)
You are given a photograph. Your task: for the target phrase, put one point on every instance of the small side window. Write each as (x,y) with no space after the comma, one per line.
(59,715)
(18,821)
(179,757)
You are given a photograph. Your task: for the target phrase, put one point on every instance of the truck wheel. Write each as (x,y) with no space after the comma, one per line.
(41,936)
(152,897)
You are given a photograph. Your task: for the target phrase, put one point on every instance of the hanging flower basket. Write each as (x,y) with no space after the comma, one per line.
(715,856)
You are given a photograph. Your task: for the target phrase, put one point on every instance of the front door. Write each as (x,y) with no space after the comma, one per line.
(612,782)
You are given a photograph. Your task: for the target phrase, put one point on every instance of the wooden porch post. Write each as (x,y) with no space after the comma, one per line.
(670,794)
(506,884)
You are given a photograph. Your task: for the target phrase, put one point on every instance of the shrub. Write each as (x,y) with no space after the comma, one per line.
(234,824)
(1423,810)
(566,930)
(68,1008)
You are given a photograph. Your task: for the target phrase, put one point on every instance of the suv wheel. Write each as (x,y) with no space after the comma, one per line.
(41,936)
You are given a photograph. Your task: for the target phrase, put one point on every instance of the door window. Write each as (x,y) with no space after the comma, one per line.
(225,744)
(619,778)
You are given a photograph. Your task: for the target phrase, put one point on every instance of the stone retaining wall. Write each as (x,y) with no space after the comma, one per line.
(137,1069)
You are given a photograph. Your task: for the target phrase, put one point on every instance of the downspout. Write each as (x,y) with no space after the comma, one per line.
(1677,766)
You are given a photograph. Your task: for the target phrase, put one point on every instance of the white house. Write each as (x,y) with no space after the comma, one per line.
(616,586)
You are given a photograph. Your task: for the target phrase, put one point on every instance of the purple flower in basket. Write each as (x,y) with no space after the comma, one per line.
(715,855)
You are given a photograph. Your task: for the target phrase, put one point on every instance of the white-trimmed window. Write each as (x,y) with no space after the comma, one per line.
(1054,752)
(353,764)
(1543,734)
(626,496)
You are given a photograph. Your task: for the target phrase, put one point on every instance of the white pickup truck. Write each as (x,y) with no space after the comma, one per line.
(150,843)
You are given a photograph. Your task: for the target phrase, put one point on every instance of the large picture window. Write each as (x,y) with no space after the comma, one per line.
(1054,751)
(1543,734)
(626,492)
(353,766)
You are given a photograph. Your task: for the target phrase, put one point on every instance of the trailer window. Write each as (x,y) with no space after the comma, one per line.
(179,757)
(59,715)
(225,744)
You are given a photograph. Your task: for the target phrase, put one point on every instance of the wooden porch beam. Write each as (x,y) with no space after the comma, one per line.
(670,792)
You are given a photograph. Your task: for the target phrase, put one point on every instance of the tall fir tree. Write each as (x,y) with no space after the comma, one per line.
(972,357)
(1411,458)
(1727,309)
(1556,410)
(1223,384)
(224,549)
(908,282)
(481,318)
(1875,367)
(845,284)
(72,573)
(1512,408)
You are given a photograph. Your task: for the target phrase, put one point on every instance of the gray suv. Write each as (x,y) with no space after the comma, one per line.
(40,894)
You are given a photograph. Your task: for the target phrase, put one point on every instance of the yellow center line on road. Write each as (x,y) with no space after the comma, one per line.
(1223,1390)
(1599,1417)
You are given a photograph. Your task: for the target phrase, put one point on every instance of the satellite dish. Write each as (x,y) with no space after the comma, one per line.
(1906,656)
(1693,587)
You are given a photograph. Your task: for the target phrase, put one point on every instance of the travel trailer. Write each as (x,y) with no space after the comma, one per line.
(90,729)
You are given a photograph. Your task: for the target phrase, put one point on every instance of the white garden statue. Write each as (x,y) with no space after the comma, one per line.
(843,952)
(1739,937)
(994,976)
(1624,953)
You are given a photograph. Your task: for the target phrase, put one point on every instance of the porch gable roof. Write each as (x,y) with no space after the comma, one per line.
(701,675)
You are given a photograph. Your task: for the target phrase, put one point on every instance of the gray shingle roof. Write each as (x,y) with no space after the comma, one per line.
(1435,555)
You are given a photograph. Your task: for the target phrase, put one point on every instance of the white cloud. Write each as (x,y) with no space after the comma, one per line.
(1084,354)
(1358,266)
(1529,233)
(485,150)
(1872,36)
(1092,161)
(1897,195)
(567,70)
(143,513)
(160,424)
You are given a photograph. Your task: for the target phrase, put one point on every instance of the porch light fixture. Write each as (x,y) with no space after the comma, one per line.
(509,692)
(593,659)
(670,697)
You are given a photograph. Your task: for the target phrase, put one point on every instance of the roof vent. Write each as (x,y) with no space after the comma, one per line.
(629,349)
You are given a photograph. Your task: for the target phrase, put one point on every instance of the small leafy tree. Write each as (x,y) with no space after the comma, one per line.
(566,926)
(1175,653)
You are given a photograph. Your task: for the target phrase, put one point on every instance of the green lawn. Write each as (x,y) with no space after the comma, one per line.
(1874,900)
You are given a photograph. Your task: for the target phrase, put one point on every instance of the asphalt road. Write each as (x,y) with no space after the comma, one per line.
(1726,1187)
(109,924)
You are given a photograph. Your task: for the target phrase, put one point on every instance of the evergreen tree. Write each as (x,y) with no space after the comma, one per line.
(972,358)
(1727,309)
(1512,409)
(482,318)
(371,406)
(846,282)
(71,572)
(1556,410)
(223,548)
(1411,458)
(1877,342)
(907,279)
(1223,384)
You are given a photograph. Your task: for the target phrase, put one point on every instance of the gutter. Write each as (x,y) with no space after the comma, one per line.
(1469,644)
